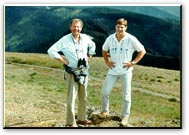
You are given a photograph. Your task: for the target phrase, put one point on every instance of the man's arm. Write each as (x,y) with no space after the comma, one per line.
(53,53)
(62,60)
(91,50)
(106,59)
(139,56)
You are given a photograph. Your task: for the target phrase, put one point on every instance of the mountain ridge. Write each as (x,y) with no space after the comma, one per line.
(35,29)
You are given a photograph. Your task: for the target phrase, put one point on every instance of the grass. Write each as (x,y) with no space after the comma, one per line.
(36,97)
(154,79)
(30,100)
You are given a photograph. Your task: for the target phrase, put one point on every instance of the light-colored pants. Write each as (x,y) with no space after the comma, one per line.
(74,88)
(126,92)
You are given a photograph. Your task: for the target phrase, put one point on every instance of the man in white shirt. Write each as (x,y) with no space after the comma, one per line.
(121,46)
(78,50)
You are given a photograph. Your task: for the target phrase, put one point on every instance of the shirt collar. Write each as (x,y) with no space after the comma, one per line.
(75,40)
(122,38)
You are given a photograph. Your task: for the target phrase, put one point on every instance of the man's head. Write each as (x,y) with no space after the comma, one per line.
(122,21)
(76,26)
(121,26)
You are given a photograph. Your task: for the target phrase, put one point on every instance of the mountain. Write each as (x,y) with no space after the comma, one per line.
(36,28)
(162,12)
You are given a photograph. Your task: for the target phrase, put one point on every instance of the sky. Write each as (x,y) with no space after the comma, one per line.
(174,10)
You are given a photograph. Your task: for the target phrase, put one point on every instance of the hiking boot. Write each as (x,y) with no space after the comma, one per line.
(103,115)
(124,121)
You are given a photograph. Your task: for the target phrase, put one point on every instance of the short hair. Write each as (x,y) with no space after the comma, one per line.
(76,20)
(122,21)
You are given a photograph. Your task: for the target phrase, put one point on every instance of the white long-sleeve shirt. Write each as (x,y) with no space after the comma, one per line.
(121,52)
(73,50)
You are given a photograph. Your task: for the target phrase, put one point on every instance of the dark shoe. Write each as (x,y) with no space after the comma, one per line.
(85,122)
(71,125)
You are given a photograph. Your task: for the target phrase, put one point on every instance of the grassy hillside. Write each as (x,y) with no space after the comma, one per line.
(35,96)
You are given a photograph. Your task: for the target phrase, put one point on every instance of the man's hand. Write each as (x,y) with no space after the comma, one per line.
(110,64)
(127,64)
(90,58)
(63,60)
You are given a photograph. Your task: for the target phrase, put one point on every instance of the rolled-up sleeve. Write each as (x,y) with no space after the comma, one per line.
(91,48)
(91,44)
(55,48)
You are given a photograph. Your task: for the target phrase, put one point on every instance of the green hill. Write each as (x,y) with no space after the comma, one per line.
(34,29)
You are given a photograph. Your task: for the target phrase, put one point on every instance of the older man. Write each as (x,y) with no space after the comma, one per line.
(77,48)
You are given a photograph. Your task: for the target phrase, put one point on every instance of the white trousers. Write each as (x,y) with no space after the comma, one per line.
(74,89)
(126,92)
